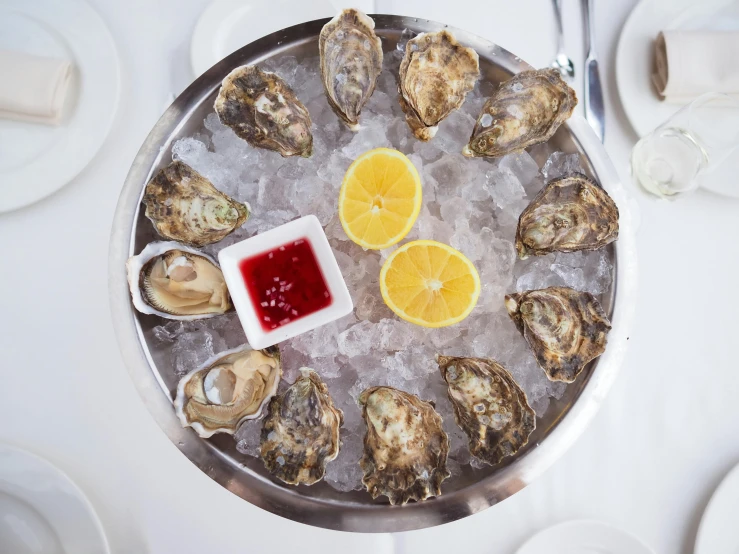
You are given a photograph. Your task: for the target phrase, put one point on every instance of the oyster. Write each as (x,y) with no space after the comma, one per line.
(571,213)
(435,76)
(228,389)
(525,110)
(489,406)
(405,448)
(301,433)
(565,328)
(351,60)
(186,207)
(176,282)
(263,110)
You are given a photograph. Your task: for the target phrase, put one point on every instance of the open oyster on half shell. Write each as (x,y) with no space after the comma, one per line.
(489,406)
(525,110)
(570,213)
(263,110)
(351,60)
(301,433)
(405,448)
(565,328)
(186,207)
(228,389)
(436,74)
(174,281)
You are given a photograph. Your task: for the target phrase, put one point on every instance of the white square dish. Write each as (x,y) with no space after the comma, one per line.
(231,258)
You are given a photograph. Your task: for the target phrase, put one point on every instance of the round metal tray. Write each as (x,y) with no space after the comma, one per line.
(321,505)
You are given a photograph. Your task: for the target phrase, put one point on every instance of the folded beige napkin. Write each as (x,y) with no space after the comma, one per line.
(690,63)
(33,88)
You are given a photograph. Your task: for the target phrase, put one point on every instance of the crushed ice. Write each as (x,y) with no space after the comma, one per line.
(472,204)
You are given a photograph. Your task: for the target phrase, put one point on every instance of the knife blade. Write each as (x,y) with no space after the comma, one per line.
(594,107)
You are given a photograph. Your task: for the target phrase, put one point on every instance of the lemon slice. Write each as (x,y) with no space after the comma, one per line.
(429,283)
(380,198)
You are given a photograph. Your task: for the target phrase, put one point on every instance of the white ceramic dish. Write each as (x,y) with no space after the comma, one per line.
(37,160)
(634,56)
(306,227)
(584,537)
(42,511)
(718,532)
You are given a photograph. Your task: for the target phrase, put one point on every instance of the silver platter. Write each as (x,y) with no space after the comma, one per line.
(321,505)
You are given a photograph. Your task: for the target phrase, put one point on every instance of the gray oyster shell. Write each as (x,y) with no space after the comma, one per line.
(570,213)
(228,389)
(175,281)
(525,110)
(263,110)
(489,406)
(186,207)
(301,433)
(405,448)
(435,75)
(351,60)
(565,328)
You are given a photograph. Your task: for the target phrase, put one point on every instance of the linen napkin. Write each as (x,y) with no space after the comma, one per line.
(690,63)
(33,88)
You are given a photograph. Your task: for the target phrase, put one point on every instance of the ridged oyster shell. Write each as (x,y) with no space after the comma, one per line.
(263,110)
(301,433)
(489,406)
(405,448)
(565,328)
(175,281)
(228,389)
(525,110)
(351,60)
(435,75)
(186,207)
(570,213)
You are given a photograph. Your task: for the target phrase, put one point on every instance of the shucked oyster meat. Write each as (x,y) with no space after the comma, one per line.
(435,76)
(405,448)
(186,207)
(525,110)
(570,213)
(228,389)
(489,406)
(177,282)
(565,328)
(351,60)
(263,110)
(301,433)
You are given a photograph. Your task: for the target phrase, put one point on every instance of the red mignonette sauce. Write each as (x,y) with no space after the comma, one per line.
(285,284)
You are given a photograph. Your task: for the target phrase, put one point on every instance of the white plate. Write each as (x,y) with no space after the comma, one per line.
(227,25)
(634,66)
(584,537)
(42,511)
(37,160)
(718,532)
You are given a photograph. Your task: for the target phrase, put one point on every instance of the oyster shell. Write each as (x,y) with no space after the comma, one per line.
(186,207)
(489,406)
(570,213)
(405,448)
(174,281)
(228,389)
(525,110)
(565,328)
(263,110)
(351,60)
(301,433)
(436,74)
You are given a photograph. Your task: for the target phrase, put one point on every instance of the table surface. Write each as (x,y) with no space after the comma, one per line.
(648,463)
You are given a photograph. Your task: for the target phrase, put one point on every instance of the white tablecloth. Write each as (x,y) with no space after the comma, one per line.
(648,463)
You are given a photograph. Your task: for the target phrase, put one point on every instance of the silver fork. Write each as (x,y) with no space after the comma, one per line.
(561,62)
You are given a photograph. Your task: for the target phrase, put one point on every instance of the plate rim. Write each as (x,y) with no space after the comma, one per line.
(62,476)
(731,476)
(584,522)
